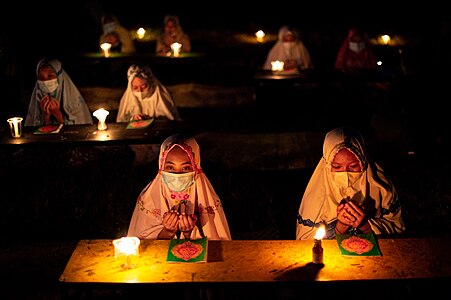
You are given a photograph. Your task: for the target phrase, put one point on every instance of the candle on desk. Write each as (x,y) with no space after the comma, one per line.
(106,49)
(277,65)
(317,251)
(126,246)
(141,32)
(260,35)
(176,48)
(15,124)
(101,115)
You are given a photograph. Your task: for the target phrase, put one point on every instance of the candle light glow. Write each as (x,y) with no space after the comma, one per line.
(106,49)
(128,247)
(277,66)
(101,115)
(141,32)
(260,36)
(15,124)
(176,48)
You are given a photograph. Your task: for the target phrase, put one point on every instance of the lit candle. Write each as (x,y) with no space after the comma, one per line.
(385,39)
(277,65)
(15,124)
(317,251)
(101,115)
(176,48)
(126,246)
(106,49)
(260,35)
(141,32)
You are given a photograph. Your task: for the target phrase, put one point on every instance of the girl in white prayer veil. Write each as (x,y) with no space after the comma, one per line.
(55,98)
(145,97)
(289,49)
(348,192)
(180,199)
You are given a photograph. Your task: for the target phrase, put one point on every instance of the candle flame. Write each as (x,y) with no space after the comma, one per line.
(320,233)
(260,35)
(126,246)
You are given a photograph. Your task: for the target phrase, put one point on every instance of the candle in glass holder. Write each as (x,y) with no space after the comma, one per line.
(277,66)
(126,247)
(176,48)
(15,125)
(106,49)
(101,115)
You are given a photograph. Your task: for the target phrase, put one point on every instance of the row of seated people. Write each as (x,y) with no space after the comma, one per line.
(355,53)
(347,193)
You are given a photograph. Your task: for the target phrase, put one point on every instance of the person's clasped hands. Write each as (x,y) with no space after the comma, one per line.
(351,214)
(51,107)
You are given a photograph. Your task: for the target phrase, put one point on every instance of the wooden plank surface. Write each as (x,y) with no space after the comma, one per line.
(242,261)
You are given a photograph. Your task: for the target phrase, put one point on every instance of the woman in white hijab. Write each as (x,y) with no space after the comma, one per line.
(348,192)
(55,98)
(145,97)
(289,49)
(180,199)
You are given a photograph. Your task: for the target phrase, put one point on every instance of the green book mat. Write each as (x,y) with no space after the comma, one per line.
(48,129)
(139,124)
(358,244)
(192,251)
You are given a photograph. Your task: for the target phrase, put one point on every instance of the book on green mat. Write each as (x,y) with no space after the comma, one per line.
(192,251)
(139,124)
(358,244)
(48,129)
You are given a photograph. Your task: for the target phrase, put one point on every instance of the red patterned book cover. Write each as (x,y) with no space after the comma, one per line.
(358,244)
(188,250)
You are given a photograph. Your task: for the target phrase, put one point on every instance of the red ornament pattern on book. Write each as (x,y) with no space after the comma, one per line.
(357,245)
(187,250)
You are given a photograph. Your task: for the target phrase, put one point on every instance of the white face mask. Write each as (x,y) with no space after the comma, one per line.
(141,95)
(356,47)
(48,86)
(178,182)
(109,27)
(346,180)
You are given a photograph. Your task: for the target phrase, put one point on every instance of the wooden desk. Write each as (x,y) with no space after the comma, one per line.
(261,261)
(89,135)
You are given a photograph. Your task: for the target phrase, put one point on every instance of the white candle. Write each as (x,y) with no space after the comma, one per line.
(126,246)
(101,115)
(15,124)
(176,48)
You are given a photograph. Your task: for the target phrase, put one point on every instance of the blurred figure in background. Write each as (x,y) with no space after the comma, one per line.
(55,98)
(290,49)
(355,53)
(145,97)
(172,33)
(114,33)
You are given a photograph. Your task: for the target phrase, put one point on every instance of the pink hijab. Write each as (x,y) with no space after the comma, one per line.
(156,199)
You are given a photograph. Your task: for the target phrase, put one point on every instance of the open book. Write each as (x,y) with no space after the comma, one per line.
(139,124)
(192,251)
(48,129)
